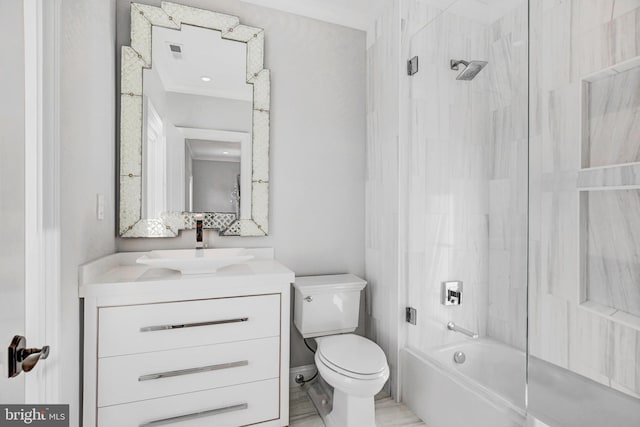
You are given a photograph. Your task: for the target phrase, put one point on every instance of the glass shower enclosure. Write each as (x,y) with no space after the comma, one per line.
(520,175)
(466,184)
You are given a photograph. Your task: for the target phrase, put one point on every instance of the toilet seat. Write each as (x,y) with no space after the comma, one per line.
(352,356)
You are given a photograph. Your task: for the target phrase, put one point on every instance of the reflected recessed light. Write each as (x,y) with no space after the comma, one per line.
(225,152)
(205,78)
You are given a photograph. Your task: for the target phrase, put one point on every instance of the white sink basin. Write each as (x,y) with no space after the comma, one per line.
(195,261)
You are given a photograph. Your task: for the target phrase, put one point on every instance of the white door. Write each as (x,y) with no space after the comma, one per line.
(12,195)
(29,287)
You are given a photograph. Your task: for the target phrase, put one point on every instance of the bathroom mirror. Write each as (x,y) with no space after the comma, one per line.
(194,124)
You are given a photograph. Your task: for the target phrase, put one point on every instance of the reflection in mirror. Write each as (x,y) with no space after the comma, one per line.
(213,176)
(194,124)
(197,113)
(217,167)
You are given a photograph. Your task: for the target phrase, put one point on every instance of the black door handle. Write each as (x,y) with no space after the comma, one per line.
(22,358)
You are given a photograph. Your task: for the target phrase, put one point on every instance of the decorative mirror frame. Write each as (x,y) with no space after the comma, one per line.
(137,57)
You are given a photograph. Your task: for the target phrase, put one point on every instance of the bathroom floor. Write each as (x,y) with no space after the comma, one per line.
(388,412)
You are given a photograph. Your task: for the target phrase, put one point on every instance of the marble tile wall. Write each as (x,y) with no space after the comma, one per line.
(381,186)
(508,72)
(446,179)
(571,40)
(446,200)
(464,175)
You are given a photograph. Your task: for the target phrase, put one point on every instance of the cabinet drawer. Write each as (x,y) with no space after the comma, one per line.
(152,327)
(130,378)
(222,407)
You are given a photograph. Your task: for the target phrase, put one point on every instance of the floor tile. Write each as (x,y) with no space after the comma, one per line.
(388,413)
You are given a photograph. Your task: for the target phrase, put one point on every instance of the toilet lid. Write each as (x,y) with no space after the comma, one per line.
(353,353)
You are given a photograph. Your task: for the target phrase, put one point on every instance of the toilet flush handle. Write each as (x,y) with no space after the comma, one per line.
(308,299)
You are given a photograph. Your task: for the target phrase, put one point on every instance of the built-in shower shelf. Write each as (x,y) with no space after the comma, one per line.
(609,193)
(609,177)
(610,108)
(609,231)
(612,314)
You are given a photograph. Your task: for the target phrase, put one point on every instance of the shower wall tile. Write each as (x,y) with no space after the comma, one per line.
(625,359)
(589,350)
(499,285)
(559,244)
(561,128)
(440,4)
(571,39)
(602,46)
(556,62)
(507,44)
(535,190)
(533,422)
(481,10)
(622,7)
(550,316)
(422,12)
(465,181)
(446,180)
(590,14)
(381,185)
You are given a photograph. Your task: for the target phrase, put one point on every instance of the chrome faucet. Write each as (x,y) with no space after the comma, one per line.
(199,233)
(455,328)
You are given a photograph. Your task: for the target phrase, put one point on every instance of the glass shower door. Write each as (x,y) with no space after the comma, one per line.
(466,189)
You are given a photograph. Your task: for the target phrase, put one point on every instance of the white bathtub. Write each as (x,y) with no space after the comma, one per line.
(487,390)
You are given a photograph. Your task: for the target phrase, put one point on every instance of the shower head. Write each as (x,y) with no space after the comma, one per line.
(471,68)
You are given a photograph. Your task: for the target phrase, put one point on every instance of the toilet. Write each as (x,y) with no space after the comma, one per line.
(327,308)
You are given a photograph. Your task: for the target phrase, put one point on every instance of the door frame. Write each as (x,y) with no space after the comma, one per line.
(43,311)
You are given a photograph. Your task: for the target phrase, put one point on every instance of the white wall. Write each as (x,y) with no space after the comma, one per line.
(87,119)
(317,145)
(213,183)
(176,169)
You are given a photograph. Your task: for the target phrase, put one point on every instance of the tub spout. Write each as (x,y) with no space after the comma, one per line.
(455,328)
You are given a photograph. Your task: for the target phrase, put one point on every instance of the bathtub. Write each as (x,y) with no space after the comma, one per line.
(487,390)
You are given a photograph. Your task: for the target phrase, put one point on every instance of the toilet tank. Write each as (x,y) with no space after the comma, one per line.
(327,305)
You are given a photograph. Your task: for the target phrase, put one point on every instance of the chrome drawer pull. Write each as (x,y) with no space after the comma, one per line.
(179,418)
(192,325)
(189,371)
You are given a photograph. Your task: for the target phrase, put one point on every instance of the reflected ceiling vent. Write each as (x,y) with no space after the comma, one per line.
(176,50)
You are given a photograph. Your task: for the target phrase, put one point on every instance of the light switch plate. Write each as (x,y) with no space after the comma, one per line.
(100,206)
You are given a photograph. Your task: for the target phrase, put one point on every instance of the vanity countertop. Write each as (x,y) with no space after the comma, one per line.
(118,275)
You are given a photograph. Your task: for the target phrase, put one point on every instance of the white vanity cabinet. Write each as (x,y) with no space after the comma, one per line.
(161,348)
